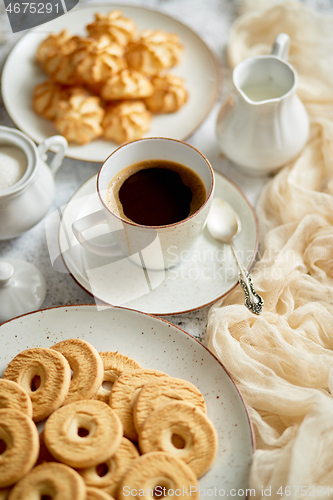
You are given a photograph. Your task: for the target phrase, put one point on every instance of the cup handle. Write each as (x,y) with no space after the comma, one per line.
(60,142)
(91,220)
(281,46)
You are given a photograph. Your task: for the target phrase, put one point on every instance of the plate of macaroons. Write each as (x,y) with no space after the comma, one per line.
(105,75)
(125,403)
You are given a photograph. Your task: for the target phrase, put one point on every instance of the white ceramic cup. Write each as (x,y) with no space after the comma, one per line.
(152,247)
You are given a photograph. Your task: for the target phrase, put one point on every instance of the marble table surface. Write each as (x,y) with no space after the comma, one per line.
(211,19)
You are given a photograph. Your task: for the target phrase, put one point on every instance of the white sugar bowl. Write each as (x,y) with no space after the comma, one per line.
(26,180)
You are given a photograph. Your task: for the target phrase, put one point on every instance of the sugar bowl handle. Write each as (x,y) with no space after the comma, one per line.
(60,144)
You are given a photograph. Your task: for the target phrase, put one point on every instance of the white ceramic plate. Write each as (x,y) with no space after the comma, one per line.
(199,68)
(156,344)
(209,272)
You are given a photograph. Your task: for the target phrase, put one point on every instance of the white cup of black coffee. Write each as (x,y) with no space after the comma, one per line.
(155,195)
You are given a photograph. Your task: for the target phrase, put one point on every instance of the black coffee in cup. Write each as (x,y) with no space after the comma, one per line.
(156,193)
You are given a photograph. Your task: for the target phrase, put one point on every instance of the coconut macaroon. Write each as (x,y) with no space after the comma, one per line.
(79,119)
(48,95)
(169,94)
(61,64)
(63,43)
(128,84)
(154,51)
(114,25)
(126,121)
(98,60)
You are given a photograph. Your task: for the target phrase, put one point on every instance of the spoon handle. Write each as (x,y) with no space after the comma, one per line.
(253,301)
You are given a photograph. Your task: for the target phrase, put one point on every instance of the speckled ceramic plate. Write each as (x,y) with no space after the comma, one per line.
(199,68)
(156,344)
(208,273)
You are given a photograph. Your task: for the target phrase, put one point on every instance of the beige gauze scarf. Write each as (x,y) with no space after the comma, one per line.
(282,360)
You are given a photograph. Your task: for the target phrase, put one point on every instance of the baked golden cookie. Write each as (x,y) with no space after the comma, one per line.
(114,25)
(96,494)
(126,121)
(108,475)
(158,470)
(162,391)
(127,84)
(114,364)
(61,64)
(12,395)
(185,422)
(52,480)
(103,42)
(62,43)
(154,52)
(123,394)
(95,61)
(79,118)
(83,433)
(45,375)
(169,94)
(86,365)
(48,95)
(19,446)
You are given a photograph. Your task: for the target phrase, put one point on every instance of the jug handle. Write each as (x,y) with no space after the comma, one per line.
(281,46)
(61,145)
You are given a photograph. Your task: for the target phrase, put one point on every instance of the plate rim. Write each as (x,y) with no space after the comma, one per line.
(215,60)
(158,319)
(103,302)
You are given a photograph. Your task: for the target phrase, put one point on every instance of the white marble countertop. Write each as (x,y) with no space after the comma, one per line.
(211,19)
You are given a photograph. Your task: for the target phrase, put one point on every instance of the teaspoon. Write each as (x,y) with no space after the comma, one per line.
(224,224)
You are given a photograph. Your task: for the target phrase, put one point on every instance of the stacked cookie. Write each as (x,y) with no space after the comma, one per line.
(108,83)
(111,427)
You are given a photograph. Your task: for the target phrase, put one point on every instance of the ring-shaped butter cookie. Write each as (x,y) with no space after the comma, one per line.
(87,367)
(123,394)
(160,473)
(12,395)
(45,375)
(83,433)
(115,364)
(183,430)
(162,391)
(19,446)
(50,480)
(107,475)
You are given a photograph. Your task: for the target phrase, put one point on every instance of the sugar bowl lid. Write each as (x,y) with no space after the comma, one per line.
(22,288)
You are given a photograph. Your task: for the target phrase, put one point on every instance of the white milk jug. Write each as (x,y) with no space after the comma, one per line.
(263,124)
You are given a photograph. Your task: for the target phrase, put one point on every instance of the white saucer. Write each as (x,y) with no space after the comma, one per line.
(207,274)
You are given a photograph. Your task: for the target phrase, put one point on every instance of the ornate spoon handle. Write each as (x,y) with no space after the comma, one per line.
(253,301)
